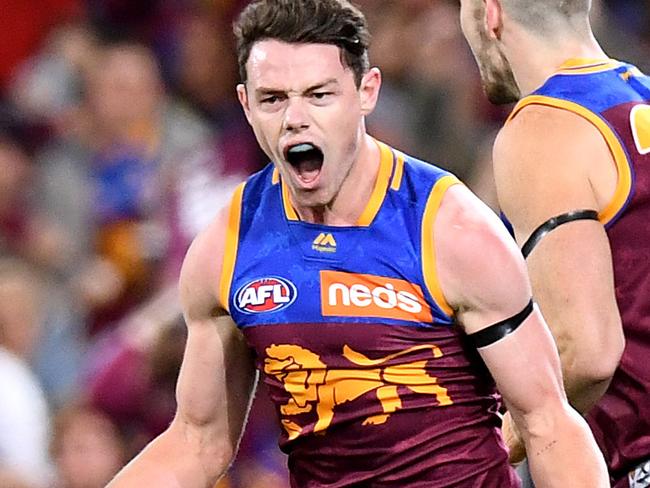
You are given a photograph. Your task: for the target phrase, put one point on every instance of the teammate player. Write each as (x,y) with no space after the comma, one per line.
(572,168)
(364,282)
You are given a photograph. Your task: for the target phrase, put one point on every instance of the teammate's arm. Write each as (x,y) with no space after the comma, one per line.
(549,162)
(214,386)
(483,277)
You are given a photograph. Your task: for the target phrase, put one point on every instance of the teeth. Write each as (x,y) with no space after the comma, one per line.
(300,148)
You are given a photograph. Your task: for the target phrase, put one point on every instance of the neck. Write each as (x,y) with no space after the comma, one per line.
(355,192)
(531,71)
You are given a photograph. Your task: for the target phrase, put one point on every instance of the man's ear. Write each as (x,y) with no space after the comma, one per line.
(369,90)
(493,18)
(242,95)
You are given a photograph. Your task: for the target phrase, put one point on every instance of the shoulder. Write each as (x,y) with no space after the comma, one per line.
(479,265)
(203,265)
(469,232)
(539,130)
(546,162)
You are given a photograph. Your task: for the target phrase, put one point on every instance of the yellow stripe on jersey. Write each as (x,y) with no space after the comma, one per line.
(399,171)
(289,211)
(275,179)
(381,186)
(429,269)
(230,247)
(581,66)
(624,184)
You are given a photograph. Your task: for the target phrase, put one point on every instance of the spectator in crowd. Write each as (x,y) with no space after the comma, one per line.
(133,373)
(24,229)
(204,72)
(87,448)
(46,89)
(119,184)
(24,421)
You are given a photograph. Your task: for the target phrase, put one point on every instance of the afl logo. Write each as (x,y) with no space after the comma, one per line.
(265,295)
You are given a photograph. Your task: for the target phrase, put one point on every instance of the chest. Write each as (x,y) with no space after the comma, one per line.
(295,272)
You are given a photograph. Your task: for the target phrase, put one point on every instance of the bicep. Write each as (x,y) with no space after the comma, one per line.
(572,276)
(481,271)
(525,366)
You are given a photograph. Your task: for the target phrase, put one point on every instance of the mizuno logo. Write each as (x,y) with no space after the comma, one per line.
(360,295)
(265,295)
(325,242)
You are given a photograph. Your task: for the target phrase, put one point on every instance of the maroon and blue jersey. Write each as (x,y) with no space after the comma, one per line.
(615,98)
(373,383)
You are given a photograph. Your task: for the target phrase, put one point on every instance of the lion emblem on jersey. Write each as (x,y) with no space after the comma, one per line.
(312,384)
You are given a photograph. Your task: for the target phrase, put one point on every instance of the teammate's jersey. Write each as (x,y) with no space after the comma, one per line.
(615,98)
(373,383)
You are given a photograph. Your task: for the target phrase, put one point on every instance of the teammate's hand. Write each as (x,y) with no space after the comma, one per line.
(516,447)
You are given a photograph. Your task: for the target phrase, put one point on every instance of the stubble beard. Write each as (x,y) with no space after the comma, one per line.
(497,78)
(500,86)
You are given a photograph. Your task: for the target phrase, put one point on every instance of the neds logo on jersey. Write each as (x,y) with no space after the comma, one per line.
(265,295)
(364,295)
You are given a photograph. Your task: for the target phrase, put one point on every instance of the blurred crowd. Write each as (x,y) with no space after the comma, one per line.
(120,138)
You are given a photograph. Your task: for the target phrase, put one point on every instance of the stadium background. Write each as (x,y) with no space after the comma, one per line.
(120,137)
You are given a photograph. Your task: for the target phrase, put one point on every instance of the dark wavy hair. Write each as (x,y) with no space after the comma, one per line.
(336,22)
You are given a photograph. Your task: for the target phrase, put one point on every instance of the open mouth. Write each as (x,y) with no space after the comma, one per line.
(307,160)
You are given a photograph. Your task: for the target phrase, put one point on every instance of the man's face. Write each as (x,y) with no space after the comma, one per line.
(124,88)
(307,114)
(497,76)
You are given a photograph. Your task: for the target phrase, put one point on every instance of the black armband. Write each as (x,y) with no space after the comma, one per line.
(498,331)
(554,222)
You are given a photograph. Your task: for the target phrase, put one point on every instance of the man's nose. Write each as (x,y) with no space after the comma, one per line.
(295,114)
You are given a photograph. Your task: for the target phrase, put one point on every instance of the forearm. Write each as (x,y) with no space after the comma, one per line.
(562,452)
(582,393)
(175,460)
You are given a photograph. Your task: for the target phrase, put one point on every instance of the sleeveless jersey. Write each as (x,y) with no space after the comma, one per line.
(615,98)
(373,383)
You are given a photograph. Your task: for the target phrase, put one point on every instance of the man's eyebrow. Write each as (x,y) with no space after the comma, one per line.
(269,91)
(261,91)
(318,86)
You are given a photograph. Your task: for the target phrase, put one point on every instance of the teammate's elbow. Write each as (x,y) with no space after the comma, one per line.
(601,369)
(588,362)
